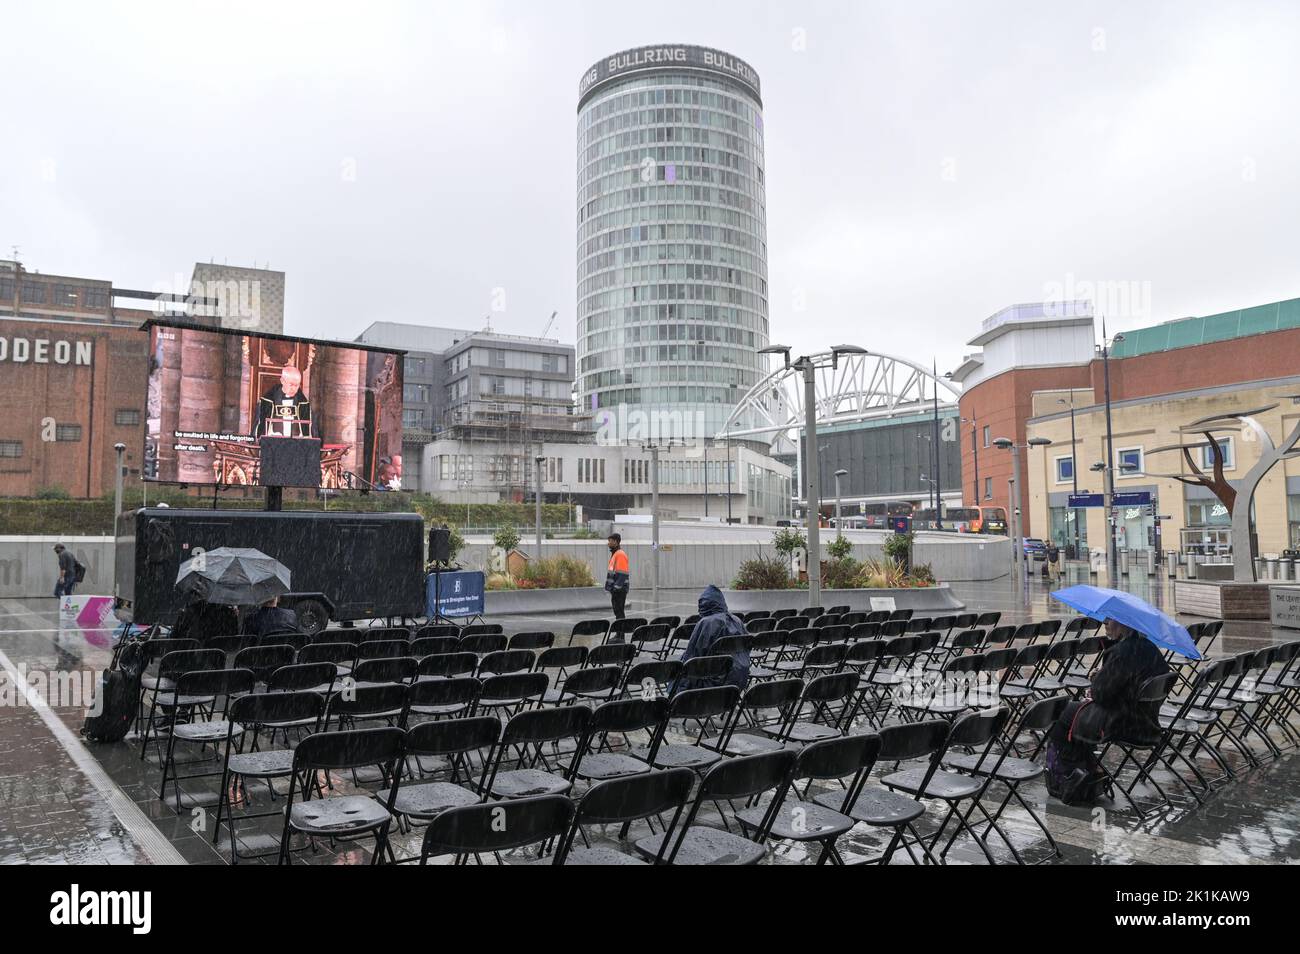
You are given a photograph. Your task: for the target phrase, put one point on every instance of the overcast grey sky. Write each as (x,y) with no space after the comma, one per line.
(927,163)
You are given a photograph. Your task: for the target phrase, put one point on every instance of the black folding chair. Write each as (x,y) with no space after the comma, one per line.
(522,745)
(537,640)
(513,691)
(423,646)
(496,827)
(481,643)
(880,807)
(796,819)
(482,629)
(586,628)
(446,666)
(652,679)
(620,801)
(1011,771)
(651,638)
(455,740)
(444,630)
(745,777)
(701,706)
(252,713)
(780,695)
(975,731)
(401,669)
(561,659)
(506,661)
(620,628)
(214,732)
(821,696)
(612,654)
(163,693)
(340,655)
(623,716)
(594,683)
(383,649)
(377,702)
(342,817)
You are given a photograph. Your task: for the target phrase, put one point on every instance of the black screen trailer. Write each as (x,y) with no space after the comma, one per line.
(343,566)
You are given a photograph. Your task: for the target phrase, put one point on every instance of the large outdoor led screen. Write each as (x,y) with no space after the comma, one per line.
(220,402)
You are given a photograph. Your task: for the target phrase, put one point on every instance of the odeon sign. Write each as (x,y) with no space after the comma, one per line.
(45,351)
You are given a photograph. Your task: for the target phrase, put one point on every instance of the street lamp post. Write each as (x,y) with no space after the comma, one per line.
(1112,569)
(728,473)
(538,462)
(1007,444)
(808,367)
(120,448)
(929,464)
(654,449)
(839,523)
(975,447)
(1074,470)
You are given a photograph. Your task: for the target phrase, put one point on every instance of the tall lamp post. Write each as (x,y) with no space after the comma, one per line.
(808,366)
(537,463)
(929,463)
(975,447)
(839,523)
(1074,471)
(728,472)
(654,449)
(1007,444)
(120,448)
(1111,566)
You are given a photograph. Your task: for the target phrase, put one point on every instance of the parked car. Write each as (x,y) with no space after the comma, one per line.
(1035,549)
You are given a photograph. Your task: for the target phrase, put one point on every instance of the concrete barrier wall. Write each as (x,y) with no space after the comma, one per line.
(29,567)
(692,564)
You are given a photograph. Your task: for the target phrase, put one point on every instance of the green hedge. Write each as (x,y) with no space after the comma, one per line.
(30,516)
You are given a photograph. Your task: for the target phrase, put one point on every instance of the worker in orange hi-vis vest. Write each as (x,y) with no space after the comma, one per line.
(618,580)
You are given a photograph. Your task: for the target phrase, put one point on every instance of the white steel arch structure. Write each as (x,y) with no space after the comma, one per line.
(860,387)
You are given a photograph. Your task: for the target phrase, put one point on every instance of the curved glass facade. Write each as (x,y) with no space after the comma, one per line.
(672,245)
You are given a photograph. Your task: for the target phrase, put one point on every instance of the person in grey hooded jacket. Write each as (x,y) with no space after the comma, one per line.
(715,622)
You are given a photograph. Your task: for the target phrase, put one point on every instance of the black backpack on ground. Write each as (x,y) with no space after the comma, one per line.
(118,696)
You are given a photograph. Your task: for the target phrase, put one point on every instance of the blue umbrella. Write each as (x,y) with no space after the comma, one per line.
(1103,604)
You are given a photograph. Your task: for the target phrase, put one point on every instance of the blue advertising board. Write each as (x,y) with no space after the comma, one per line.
(1087,500)
(900,523)
(454,593)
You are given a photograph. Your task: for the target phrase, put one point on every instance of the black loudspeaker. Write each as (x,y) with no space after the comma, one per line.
(289,462)
(439,545)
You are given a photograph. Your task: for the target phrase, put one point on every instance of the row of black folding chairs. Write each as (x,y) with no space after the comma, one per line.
(1228,705)
(828,755)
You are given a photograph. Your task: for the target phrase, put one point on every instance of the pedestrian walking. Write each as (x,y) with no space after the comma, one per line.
(67,579)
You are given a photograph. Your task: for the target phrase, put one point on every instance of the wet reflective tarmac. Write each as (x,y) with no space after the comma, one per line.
(65,801)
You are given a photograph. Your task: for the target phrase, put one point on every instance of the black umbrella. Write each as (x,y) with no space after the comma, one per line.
(237,576)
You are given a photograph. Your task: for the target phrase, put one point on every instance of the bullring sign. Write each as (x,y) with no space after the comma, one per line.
(45,351)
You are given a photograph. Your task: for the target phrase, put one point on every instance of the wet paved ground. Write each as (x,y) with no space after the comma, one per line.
(62,800)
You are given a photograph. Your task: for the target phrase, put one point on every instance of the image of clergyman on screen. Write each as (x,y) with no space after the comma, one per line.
(284,410)
(217,400)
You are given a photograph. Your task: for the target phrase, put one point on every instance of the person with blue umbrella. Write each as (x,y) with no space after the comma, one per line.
(1135,633)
